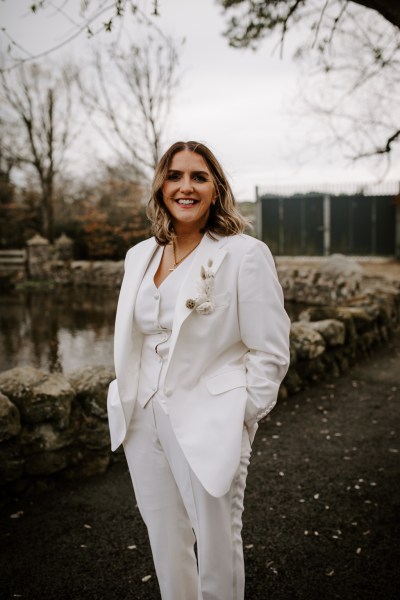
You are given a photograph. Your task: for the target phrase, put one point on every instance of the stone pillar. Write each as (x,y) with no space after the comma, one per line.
(64,247)
(38,257)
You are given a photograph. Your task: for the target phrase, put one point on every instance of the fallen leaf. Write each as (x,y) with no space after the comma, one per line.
(17,515)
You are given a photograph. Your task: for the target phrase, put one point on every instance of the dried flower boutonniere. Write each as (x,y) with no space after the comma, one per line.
(204,302)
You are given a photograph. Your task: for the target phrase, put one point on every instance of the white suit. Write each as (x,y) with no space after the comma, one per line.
(224,368)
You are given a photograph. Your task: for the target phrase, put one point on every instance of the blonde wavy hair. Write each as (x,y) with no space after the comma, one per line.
(224,218)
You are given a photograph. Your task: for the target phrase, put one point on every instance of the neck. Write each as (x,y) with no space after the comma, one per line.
(184,238)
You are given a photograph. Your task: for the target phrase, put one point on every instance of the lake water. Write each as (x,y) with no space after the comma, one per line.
(60,330)
(56,330)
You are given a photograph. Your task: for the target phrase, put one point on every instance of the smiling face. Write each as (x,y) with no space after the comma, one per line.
(188,191)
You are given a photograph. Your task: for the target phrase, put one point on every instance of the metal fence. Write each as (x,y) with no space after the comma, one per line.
(320,223)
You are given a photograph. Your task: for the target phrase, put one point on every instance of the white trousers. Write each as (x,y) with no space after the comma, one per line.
(174,504)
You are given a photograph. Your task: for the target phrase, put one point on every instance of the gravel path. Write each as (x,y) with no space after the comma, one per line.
(321,520)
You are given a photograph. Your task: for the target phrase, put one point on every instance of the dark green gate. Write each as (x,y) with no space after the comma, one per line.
(318,224)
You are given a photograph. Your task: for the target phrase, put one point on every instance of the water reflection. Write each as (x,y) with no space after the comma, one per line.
(62,329)
(57,330)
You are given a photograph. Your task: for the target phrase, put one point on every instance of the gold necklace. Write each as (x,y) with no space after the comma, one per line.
(178,262)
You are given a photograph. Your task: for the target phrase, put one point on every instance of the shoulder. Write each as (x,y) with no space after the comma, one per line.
(137,248)
(141,247)
(246,245)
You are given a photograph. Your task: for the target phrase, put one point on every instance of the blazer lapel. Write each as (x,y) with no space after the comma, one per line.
(208,250)
(126,303)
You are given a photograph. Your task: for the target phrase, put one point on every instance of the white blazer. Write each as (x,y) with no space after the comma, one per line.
(224,368)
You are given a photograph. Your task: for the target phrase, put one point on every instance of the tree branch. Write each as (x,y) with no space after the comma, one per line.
(386,149)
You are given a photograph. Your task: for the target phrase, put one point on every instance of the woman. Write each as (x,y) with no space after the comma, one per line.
(201,346)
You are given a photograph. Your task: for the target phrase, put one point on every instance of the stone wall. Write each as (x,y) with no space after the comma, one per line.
(331,281)
(54,426)
(326,340)
(104,273)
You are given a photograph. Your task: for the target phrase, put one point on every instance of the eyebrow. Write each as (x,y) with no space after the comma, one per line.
(192,173)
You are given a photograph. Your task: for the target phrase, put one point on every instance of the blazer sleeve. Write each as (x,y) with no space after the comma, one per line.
(264,327)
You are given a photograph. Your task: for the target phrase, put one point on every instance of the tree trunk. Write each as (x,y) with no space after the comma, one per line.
(48,209)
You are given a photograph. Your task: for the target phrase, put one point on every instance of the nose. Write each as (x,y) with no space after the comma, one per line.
(186,185)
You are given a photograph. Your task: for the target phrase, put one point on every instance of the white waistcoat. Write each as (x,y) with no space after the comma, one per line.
(154,314)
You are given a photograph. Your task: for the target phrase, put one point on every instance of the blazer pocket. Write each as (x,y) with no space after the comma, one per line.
(223,382)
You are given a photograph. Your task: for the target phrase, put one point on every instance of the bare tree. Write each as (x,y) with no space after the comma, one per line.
(353,87)
(87,17)
(249,21)
(37,104)
(128,97)
(351,66)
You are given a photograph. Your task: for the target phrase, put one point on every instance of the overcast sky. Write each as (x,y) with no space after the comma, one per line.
(239,102)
